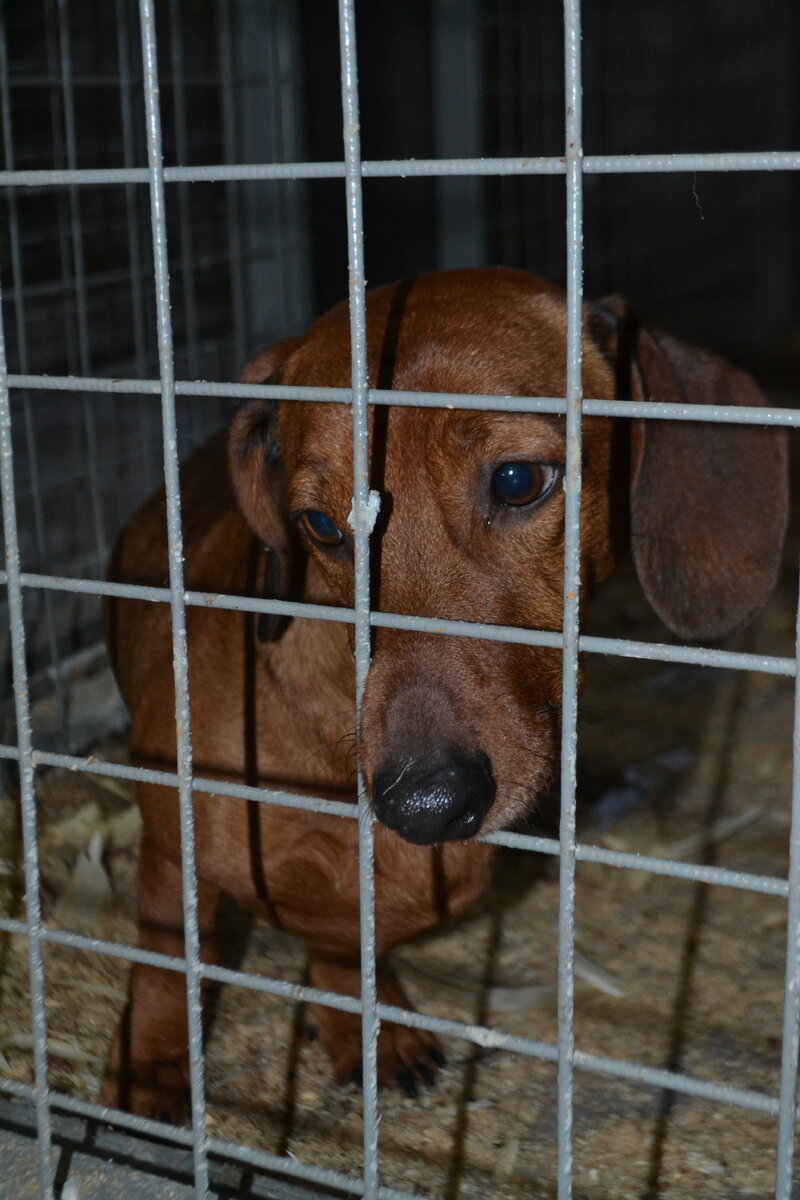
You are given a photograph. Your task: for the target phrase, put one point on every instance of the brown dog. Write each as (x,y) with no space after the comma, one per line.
(457,735)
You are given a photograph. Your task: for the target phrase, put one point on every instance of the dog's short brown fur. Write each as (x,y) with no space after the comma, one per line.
(702,505)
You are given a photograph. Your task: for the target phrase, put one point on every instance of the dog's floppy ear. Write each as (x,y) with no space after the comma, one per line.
(256,473)
(709,501)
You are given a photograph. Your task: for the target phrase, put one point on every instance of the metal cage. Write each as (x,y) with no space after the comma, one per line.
(72,193)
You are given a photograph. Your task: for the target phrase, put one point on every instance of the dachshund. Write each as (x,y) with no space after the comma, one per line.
(457,735)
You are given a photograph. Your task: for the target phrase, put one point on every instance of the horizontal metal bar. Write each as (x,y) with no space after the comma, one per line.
(160,595)
(696,872)
(167,962)
(17,928)
(767,885)
(492,1039)
(615,647)
(102,176)
(21,1091)
(215,787)
(626,164)
(593,164)
(261,1160)
(688,655)
(649,409)
(479,1035)
(687,1085)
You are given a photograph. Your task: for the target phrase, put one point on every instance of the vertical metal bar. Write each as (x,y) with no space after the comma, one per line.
(18,293)
(572,565)
(234,216)
(503,123)
(284,222)
(135,251)
(65,258)
(50,29)
(33,909)
(79,267)
(184,212)
(294,217)
(361,528)
(177,607)
(131,210)
(791,1004)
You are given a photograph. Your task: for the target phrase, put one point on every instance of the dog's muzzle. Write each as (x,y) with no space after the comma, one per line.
(441,801)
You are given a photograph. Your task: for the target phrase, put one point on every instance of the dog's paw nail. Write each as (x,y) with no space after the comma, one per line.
(312,1033)
(426,1074)
(357,1076)
(406,1082)
(437,1056)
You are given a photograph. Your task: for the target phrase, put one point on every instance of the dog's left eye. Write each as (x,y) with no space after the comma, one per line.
(520,483)
(322,528)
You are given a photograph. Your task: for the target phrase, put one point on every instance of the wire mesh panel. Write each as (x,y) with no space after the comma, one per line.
(78,260)
(649,90)
(127,200)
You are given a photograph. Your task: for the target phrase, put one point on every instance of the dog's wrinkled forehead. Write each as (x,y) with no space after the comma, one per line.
(445,332)
(489,332)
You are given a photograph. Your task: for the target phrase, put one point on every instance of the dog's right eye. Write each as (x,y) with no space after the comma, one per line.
(321,528)
(517,484)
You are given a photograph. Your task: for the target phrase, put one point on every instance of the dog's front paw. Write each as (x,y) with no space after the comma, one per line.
(159,1090)
(408,1058)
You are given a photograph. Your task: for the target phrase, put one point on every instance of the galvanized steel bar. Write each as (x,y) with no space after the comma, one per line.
(71,151)
(27,795)
(613,647)
(572,583)
(352,170)
(213,787)
(284,211)
(10,924)
(767,885)
(129,155)
(594,164)
(650,410)
(134,238)
(185,239)
(18,296)
(674,868)
(179,644)
(234,214)
(791,1002)
(487,1038)
(79,278)
(362,527)
(63,284)
(652,164)
(479,1035)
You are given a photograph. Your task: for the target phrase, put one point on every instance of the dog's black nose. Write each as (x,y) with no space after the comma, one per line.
(443,801)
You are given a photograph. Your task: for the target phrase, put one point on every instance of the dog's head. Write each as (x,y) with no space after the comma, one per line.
(460,734)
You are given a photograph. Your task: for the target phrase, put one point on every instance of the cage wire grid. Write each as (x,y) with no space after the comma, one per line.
(573,165)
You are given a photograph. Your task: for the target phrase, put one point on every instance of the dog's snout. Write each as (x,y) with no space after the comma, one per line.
(440,801)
